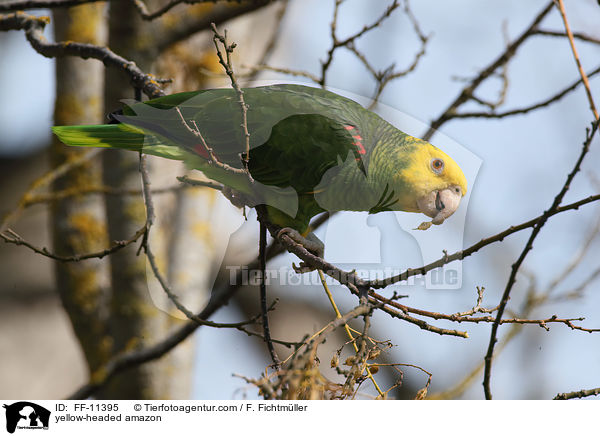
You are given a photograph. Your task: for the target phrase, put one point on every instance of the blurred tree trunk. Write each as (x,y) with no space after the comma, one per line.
(135,321)
(77,222)
(133,311)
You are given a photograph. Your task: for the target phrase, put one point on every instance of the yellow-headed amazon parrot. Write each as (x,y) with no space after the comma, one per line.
(311,151)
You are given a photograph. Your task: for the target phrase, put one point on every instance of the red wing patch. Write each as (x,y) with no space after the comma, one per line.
(201,151)
(357,139)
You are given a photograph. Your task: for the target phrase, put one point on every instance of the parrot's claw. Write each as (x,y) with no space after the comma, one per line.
(303,268)
(313,244)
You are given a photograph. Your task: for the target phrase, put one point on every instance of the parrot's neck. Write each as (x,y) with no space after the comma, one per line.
(353,190)
(376,189)
(349,190)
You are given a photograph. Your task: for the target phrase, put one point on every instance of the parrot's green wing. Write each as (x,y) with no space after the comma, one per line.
(217,115)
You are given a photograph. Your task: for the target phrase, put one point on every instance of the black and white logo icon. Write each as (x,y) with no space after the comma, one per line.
(26,415)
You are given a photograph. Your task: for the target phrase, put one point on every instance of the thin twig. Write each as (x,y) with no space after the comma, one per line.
(262,261)
(10,237)
(147,15)
(296,73)
(561,8)
(150,216)
(577,394)
(386,76)
(349,279)
(459,255)
(201,183)
(133,358)
(526,109)
(347,329)
(273,40)
(467,92)
(109,190)
(576,35)
(468,315)
(212,158)
(336,43)
(21,5)
(191,24)
(43,181)
(34,31)
(528,246)
(225,61)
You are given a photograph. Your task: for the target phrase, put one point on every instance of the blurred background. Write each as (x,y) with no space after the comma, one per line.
(514,165)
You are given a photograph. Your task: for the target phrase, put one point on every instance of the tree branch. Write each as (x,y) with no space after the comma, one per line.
(225,61)
(10,237)
(561,8)
(189,24)
(528,246)
(577,394)
(467,92)
(220,297)
(459,255)
(34,31)
(526,109)
(576,35)
(21,5)
(147,15)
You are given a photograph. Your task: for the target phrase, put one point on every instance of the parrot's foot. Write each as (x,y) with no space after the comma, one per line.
(313,244)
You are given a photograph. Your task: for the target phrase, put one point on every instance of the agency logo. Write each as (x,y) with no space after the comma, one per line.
(26,415)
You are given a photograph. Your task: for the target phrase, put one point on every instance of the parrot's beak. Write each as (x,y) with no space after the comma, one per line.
(440,204)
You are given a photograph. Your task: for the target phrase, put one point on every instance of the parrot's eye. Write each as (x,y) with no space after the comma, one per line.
(437,165)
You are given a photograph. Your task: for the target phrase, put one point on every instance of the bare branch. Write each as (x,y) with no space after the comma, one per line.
(459,255)
(225,61)
(468,315)
(212,158)
(389,74)
(147,15)
(45,180)
(108,190)
(526,109)
(34,31)
(190,24)
(296,73)
(273,40)
(150,216)
(262,262)
(349,279)
(576,35)
(467,92)
(201,183)
(336,43)
(561,7)
(577,394)
(528,246)
(10,237)
(21,5)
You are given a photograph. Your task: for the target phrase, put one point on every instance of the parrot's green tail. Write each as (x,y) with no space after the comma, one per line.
(107,135)
(124,137)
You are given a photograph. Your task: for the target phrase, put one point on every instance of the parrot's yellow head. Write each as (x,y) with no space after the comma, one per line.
(436,182)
